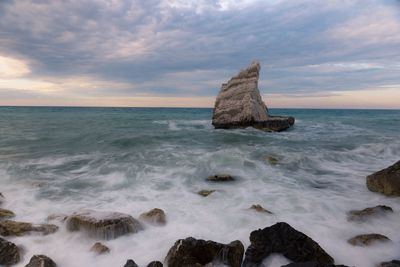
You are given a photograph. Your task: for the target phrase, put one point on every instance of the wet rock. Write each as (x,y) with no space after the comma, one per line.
(191,252)
(311,264)
(239,104)
(1,198)
(284,239)
(393,263)
(57,217)
(362,215)
(103,225)
(99,248)
(220,178)
(155,264)
(205,193)
(155,216)
(259,208)
(367,239)
(9,253)
(6,214)
(13,228)
(130,263)
(386,181)
(41,261)
(272,160)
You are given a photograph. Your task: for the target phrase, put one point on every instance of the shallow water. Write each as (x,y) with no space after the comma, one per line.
(59,160)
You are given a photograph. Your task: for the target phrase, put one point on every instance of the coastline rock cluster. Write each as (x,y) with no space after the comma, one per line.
(239,104)
(386,181)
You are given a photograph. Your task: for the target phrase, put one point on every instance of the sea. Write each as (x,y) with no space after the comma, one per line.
(58,160)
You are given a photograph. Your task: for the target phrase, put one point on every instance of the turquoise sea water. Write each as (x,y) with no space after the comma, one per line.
(59,160)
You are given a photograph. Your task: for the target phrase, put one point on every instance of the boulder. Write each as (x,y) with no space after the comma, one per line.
(191,252)
(155,216)
(367,213)
(103,225)
(220,178)
(9,253)
(367,239)
(259,208)
(239,104)
(6,214)
(99,248)
(205,193)
(393,263)
(130,263)
(386,181)
(282,238)
(311,264)
(13,228)
(41,261)
(155,264)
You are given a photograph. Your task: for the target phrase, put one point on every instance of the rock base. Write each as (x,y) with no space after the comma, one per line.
(272,124)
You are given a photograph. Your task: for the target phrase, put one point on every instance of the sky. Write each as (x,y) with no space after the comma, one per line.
(177,53)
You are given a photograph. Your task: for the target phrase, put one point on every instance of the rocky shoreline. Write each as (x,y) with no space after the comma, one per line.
(280,238)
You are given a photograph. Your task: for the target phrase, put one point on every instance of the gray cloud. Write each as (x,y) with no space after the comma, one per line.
(189,47)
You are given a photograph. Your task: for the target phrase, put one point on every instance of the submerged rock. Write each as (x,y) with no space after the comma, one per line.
(220,178)
(259,208)
(9,253)
(13,228)
(367,239)
(393,263)
(57,217)
(103,225)
(386,181)
(155,264)
(99,248)
(130,263)
(272,160)
(284,239)
(155,216)
(6,214)
(205,193)
(196,252)
(41,261)
(362,215)
(239,104)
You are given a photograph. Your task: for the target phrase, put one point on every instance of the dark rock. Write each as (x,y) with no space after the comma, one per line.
(9,253)
(272,160)
(130,263)
(57,217)
(393,263)
(220,178)
(284,239)
(103,225)
(191,252)
(362,215)
(155,264)
(99,248)
(13,228)
(154,216)
(239,104)
(1,198)
(367,239)
(205,193)
(311,264)
(41,261)
(6,214)
(386,181)
(259,208)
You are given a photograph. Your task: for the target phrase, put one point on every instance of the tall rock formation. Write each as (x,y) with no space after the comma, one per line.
(239,104)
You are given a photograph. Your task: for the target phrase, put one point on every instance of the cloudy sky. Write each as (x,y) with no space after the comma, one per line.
(313,53)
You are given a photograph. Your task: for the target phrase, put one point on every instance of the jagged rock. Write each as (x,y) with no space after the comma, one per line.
(130,263)
(13,228)
(362,215)
(192,252)
(386,181)
(6,214)
(41,261)
(393,263)
(220,178)
(239,104)
(155,264)
(155,216)
(9,253)
(311,264)
(103,225)
(205,193)
(99,248)
(259,208)
(367,239)
(284,239)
